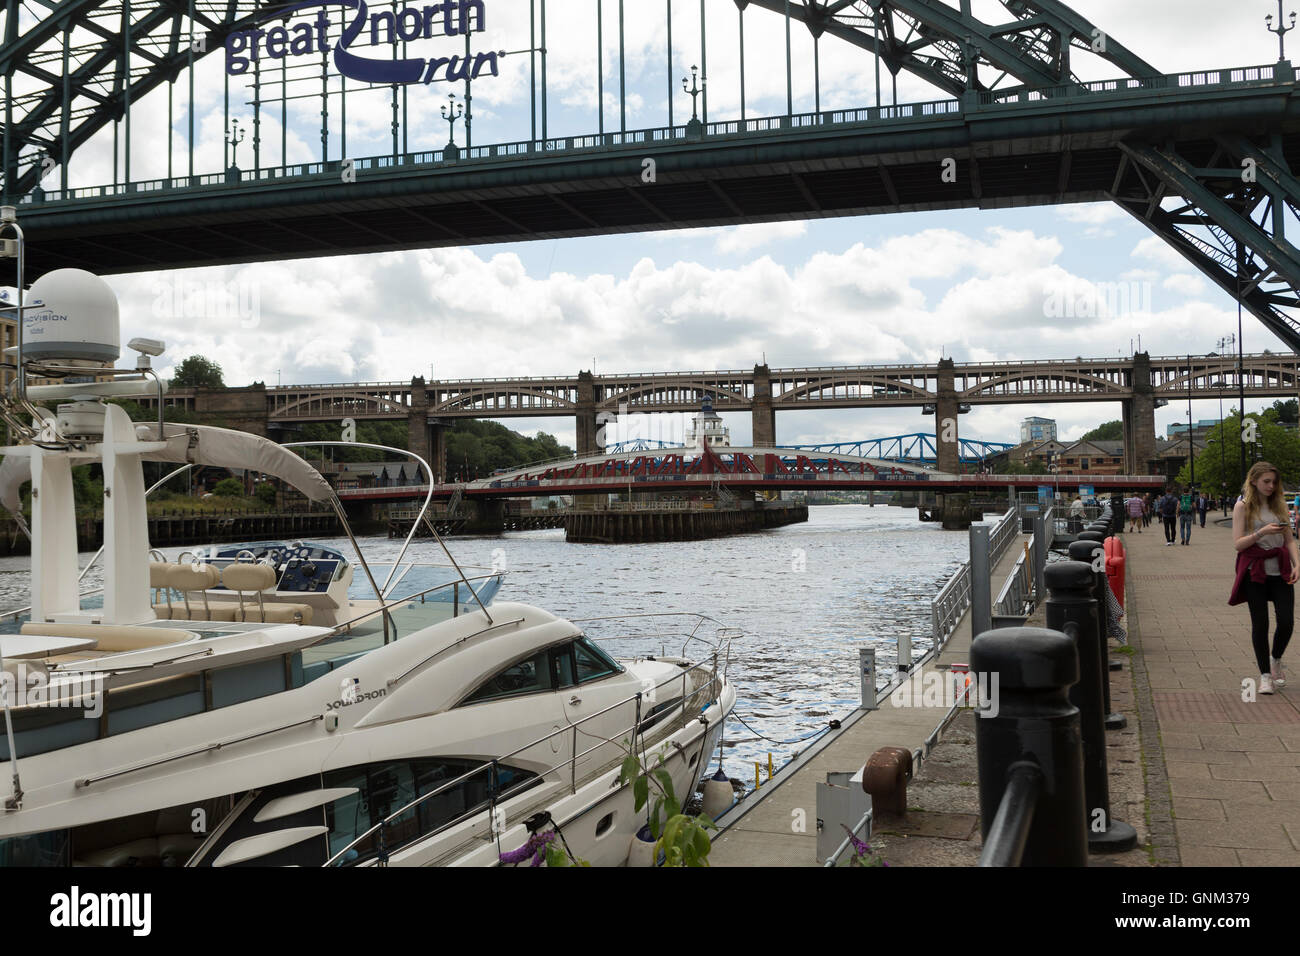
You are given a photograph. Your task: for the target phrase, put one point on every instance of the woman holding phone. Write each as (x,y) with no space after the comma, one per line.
(1268,566)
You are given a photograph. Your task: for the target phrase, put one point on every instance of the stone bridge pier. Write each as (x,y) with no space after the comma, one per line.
(590,436)
(1139,417)
(764,415)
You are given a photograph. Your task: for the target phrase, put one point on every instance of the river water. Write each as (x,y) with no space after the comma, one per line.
(807,597)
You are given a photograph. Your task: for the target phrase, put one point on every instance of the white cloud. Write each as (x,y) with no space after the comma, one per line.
(1159,252)
(744,238)
(1091,214)
(1187,285)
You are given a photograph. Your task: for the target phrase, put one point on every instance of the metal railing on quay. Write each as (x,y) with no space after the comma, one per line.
(714,682)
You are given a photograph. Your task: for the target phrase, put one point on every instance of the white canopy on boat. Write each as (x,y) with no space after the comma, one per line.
(199,445)
(206,445)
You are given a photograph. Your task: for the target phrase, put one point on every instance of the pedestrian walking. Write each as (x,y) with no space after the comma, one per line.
(1186,514)
(1169,515)
(1076,515)
(1202,506)
(1136,509)
(1268,565)
(1148,508)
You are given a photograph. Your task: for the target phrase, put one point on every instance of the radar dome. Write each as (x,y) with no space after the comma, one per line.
(75,321)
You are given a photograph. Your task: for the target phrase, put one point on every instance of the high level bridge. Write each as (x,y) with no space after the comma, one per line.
(1036,105)
(946,389)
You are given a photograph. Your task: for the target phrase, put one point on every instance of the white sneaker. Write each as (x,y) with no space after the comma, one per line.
(1265,684)
(1278,674)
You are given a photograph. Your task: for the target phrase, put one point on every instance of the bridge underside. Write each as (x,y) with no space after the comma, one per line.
(1005,156)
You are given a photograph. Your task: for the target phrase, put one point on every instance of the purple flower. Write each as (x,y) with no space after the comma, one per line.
(534,846)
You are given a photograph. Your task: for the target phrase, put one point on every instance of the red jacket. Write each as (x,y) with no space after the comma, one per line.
(1251,562)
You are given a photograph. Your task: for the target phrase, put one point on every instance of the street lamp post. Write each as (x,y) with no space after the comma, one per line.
(1281,30)
(1191,450)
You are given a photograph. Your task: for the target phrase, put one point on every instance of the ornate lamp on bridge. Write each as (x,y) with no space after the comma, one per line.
(695,129)
(452,112)
(236,137)
(1281,30)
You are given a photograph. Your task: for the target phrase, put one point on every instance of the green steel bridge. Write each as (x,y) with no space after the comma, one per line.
(1204,159)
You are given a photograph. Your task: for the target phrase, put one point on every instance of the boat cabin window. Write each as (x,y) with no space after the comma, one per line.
(574,662)
(53,848)
(529,676)
(592,663)
(384,788)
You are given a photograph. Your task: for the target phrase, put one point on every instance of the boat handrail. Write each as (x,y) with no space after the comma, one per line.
(394,681)
(385,604)
(87,781)
(571,760)
(730,631)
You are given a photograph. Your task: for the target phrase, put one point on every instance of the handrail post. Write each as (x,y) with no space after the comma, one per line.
(981,608)
(1040,554)
(1091,552)
(1072,610)
(1023,674)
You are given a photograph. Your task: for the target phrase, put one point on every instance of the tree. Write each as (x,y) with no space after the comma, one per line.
(229,488)
(1107,431)
(1288,413)
(1218,465)
(265,492)
(197,372)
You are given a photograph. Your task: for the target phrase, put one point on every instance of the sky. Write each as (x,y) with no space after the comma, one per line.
(908,288)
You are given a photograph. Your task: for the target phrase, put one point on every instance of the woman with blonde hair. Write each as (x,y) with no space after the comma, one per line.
(1268,565)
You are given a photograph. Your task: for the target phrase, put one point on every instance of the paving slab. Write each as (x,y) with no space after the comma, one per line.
(1232,755)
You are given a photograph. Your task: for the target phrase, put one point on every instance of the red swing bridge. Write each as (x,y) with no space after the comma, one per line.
(738,470)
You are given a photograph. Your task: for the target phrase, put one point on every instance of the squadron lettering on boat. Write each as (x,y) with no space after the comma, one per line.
(359,698)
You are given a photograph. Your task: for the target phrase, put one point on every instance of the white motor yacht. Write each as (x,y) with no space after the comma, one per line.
(239,708)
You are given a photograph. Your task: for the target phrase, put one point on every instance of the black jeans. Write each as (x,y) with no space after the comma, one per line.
(1171,527)
(1282,595)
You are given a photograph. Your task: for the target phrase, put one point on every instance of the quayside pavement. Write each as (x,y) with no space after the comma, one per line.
(1232,764)
(767,835)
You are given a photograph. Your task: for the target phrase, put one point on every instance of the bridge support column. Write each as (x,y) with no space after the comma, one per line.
(1140,419)
(590,439)
(764,428)
(437,451)
(946,410)
(484,516)
(417,422)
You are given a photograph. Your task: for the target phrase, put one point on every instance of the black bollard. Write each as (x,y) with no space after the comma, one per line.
(1087,552)
(1072,610)
(1035,722)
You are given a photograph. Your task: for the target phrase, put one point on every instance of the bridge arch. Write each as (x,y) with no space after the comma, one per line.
(340,404)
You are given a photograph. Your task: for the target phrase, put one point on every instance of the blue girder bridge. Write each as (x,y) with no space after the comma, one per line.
(913,448)
(1035,106)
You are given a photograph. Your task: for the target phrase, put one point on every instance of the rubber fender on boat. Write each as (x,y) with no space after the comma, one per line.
(1115,557)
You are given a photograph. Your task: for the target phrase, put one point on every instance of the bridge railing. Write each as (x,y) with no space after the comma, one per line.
(1195,78)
